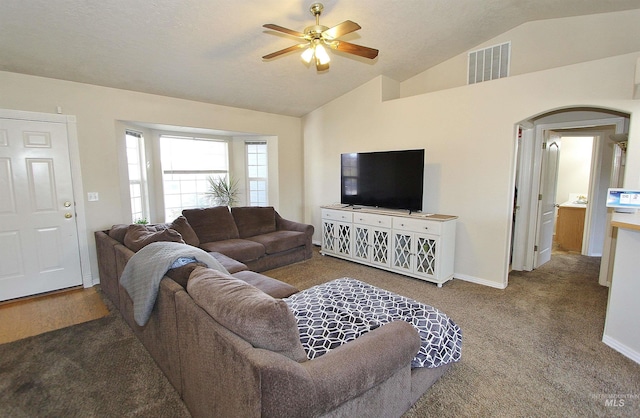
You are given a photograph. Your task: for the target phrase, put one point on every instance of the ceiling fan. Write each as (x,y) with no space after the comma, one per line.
(317,37)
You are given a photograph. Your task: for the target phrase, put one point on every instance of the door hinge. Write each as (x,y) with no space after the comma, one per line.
(540,197)
(544,145)
(535,248)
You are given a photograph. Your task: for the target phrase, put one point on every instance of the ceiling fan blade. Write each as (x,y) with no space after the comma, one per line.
(284,30)
(341,29)
(283,51)
(359,50)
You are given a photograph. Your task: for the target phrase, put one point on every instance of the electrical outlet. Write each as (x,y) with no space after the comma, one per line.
(92,197)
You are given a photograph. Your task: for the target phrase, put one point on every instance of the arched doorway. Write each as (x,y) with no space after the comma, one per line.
(534,180)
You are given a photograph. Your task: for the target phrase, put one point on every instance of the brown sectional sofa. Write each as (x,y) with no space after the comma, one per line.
(227,345)
(257,237)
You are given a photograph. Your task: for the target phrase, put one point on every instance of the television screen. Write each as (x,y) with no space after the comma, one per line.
(389,179)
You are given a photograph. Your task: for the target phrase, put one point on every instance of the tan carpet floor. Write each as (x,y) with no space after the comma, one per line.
(533,349)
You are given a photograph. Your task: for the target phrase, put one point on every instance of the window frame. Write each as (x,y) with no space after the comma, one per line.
(263,179)
(199,195)
(142,183)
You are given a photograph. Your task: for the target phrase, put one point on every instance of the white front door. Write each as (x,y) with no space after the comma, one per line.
(547,199)
(39,249)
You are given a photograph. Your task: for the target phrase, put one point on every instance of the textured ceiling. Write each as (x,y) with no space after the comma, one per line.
(210,50)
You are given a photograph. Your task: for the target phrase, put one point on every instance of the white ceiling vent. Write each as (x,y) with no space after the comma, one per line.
(489,63)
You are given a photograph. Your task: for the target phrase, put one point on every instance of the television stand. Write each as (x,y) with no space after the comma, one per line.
(418,245)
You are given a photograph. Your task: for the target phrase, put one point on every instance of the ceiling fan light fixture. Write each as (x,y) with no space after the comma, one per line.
(307,55)
(317,38)
(321,55)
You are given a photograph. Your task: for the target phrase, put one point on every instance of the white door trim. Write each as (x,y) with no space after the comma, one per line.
(530,160)
(76,175)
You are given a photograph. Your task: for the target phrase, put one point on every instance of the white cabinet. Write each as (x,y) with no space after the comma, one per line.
(372,239)
(336,233)
(420,246)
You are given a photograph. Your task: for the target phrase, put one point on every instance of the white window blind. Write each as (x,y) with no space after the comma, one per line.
(187,163)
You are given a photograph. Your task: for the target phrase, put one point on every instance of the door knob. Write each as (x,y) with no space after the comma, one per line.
(68,215)
(67,204)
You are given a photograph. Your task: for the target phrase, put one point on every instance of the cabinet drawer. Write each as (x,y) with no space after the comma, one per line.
(417,225)
(336,215)
(372,219)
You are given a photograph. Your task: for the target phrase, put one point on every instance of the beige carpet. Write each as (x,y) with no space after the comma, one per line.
(533,349)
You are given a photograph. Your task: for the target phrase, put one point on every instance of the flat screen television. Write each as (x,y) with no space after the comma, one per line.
(387,179)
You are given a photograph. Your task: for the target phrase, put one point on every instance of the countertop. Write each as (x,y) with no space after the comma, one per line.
(626,220)
(568,204)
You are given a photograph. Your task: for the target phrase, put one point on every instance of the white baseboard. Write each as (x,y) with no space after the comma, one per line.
(621,348)
(478,280)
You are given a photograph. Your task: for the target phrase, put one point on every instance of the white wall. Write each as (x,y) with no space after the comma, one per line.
(574,167)
(541,45)
(98,110)
(469,137)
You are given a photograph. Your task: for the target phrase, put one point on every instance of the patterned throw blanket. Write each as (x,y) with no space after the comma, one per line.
(339,311)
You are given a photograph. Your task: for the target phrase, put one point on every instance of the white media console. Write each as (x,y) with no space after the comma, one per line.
(416,245)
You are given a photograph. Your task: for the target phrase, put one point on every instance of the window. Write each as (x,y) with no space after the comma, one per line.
(187,163)
(137,176)
(257,173)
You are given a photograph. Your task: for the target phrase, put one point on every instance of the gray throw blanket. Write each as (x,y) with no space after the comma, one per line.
(144,271)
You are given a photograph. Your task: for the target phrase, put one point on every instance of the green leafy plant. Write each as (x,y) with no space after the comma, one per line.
(141,221)
(223,191)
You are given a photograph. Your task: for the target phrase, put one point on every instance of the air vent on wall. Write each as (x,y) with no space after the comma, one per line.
(489,63)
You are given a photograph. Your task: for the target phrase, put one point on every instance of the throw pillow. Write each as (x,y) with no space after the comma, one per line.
(139,236)
(252,221)
(181,225)
(118,232)
(263,321)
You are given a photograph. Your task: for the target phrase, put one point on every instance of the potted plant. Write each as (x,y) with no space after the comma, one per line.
(223,191)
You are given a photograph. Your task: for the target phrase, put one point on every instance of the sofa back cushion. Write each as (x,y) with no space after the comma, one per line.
(263,321)
(181,225)
(118,232)
(252,220)
(139,236)
(212,224)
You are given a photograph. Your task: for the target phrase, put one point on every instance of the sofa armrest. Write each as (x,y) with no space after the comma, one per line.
(287,225)
(318,386)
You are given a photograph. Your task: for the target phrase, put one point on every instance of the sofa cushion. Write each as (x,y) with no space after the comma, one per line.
(239,249)
(212,224)
(252,220)
(139,236)
(232,266)
(181,274)
(263,321)
(118,232)
(268,285)
(181,225)
(278,241)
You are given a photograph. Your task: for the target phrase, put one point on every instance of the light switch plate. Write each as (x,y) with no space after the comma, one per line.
(92,197)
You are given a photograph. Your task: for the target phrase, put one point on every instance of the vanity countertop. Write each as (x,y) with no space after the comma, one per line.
(569,204)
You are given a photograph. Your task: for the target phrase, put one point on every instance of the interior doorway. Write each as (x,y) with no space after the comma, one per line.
(535,192)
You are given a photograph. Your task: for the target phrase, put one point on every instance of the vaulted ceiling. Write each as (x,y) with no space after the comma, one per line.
(210,50)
